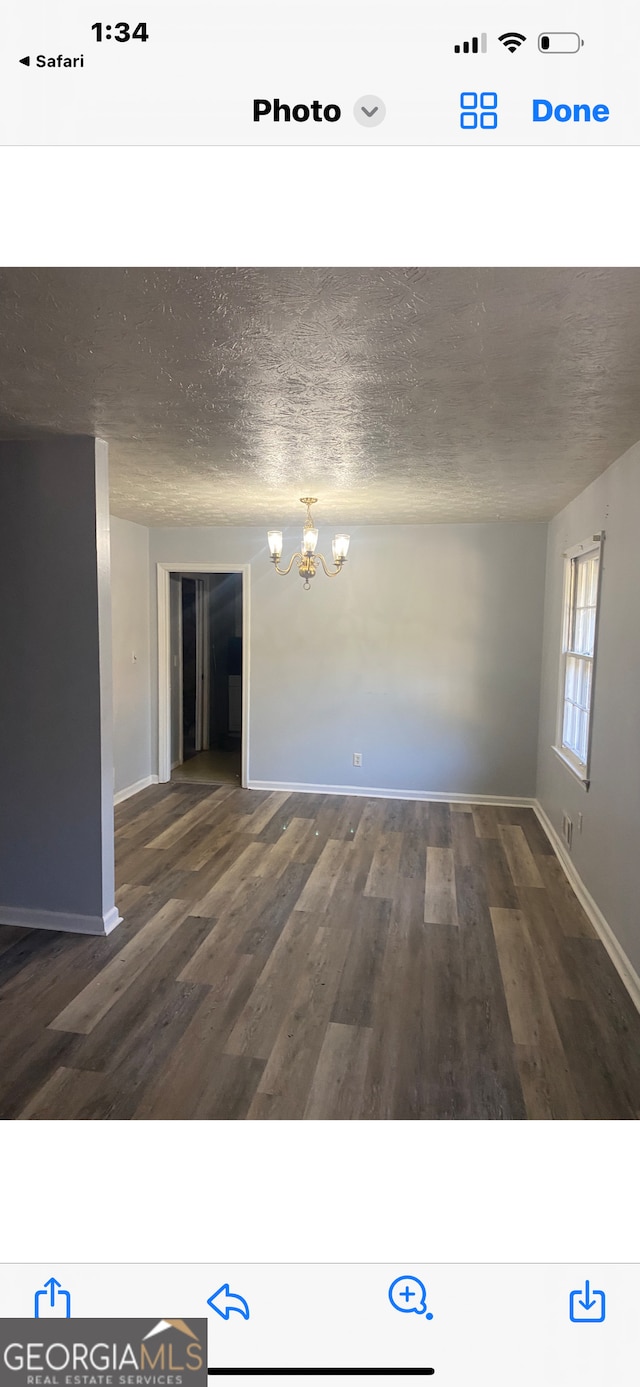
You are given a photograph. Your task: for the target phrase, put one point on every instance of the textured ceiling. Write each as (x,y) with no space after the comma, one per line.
(393,395)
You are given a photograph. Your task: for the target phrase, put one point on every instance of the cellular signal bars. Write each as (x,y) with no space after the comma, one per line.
(475,45)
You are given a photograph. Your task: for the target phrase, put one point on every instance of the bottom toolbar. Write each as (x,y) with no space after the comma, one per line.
(559,1324)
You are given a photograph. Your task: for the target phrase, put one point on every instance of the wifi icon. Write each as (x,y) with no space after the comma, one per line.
(512,41)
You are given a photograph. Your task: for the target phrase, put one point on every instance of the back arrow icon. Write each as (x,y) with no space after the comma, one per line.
(224,1301)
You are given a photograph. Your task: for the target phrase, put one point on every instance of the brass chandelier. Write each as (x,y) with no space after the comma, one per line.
(307,559)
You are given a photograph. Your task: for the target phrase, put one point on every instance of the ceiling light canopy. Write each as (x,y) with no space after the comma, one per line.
(307,559)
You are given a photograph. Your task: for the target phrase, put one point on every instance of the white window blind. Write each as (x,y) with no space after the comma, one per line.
(582,588)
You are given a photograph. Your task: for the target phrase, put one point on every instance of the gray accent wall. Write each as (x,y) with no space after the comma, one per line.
(424,656)
(606,852)
(56,754)
(131,676)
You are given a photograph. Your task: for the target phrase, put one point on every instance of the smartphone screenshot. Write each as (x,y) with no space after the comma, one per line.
(319,712)
(360,74)
(259,1326)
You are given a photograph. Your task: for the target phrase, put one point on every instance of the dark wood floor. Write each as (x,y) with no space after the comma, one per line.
(310,956)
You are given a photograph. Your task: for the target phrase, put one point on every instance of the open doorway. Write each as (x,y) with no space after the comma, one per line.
(206,622)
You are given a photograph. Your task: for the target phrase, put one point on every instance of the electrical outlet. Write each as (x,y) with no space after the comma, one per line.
(567,830)
(357,758)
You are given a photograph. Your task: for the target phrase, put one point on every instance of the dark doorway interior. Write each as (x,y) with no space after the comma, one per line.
(189,670)
(225,625)
(207,717)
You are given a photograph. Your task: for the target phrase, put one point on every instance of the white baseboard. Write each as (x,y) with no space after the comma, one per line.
(621,963)
(369,792)
(135,789)
(66,924)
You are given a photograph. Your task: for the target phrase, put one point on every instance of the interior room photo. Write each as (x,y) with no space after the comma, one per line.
(320,695)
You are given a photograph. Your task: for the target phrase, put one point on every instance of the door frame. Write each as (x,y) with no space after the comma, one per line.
(164,658)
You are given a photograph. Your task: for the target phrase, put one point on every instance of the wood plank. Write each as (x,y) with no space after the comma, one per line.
(135,1061)
(293,1058)
(540,1101)
(471,898)
(440,906)
(367,938)
(245,865)
(414,1070)
(10,935)
(465,843)
(500,888)
(494,1089)
(574,921)
(447,1091)
(611,1012)
(322,881)
(257,1027)
(383,874)
(254,823)
(338,1083)
(352,875)
(439,825)
(485,820)
(289,847)
(263,924)
(198,883)
(194,1076)
(602,1097)
(413,855)
(370,825)
(96,999)
(181,826)
(533,832)
(531,1016)
(347,821)
(519,856)
(139,811)
(210,840)
(230,1089)
(148,1018)
(388,1080)
(29,1063)
(561,977)
(68,1095)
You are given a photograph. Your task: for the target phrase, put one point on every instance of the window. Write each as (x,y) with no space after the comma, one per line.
(582,588)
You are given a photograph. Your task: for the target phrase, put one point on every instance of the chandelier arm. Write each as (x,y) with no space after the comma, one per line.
(329,572)
(283,571)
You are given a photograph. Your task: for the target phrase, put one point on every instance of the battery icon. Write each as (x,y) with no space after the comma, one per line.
(560,43)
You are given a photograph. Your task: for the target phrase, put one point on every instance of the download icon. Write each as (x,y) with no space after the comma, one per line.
(587,1306)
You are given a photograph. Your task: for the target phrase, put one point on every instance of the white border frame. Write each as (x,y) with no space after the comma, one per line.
(588,546)
(164,658)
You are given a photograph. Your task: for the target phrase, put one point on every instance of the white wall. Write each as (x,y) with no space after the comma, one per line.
(424,655)
(606,853)
(131,632)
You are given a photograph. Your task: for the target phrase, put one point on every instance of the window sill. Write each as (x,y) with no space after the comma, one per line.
(580,776)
